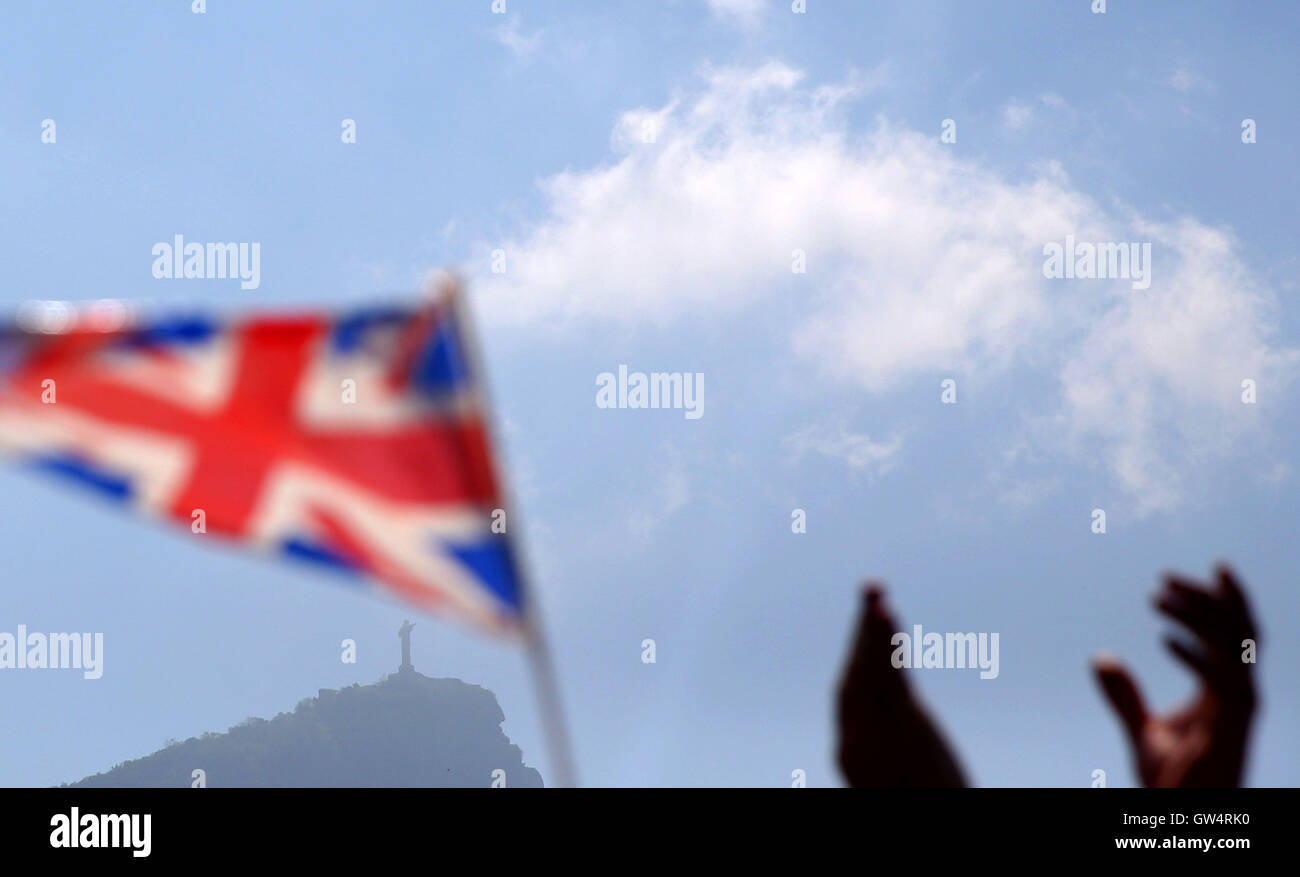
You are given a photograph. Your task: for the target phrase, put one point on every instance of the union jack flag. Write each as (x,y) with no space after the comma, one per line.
(358,441)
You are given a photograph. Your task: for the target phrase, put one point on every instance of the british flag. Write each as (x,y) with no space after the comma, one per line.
(358,441)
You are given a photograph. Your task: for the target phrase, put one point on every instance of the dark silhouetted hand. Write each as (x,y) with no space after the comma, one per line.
(1203,743)
(886,737)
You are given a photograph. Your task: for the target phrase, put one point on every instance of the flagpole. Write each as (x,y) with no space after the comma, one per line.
(555,728)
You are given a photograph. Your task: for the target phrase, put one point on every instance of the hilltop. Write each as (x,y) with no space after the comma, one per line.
(408,729)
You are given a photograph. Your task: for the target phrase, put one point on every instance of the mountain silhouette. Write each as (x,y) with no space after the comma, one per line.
(408,729)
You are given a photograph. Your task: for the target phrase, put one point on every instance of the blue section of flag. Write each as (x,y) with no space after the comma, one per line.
(442,366)
(178,330)
(350,330)
(301,549)
(492,564)
(14,348)
(83,472)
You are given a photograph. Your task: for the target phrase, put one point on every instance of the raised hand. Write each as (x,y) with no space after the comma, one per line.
(886,737)
(1204,742)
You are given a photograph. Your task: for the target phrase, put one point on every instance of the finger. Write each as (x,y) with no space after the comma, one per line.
(871,681)
(872,619)
(1123,694)
(880,620)
(1193,592)
(869,617)
(1235,596)
(1197,611)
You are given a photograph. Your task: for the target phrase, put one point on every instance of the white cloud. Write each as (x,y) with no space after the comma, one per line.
(1186,79)
(920,263)
(748,14)
(511,35)
(862,455)
(1018,114)
(1163,370)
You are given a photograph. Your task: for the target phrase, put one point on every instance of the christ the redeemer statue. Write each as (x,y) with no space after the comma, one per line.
(405,633)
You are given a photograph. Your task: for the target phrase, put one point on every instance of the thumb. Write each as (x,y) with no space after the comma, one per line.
(1123,694)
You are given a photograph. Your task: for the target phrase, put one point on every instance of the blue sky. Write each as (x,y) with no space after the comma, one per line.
(648,169)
